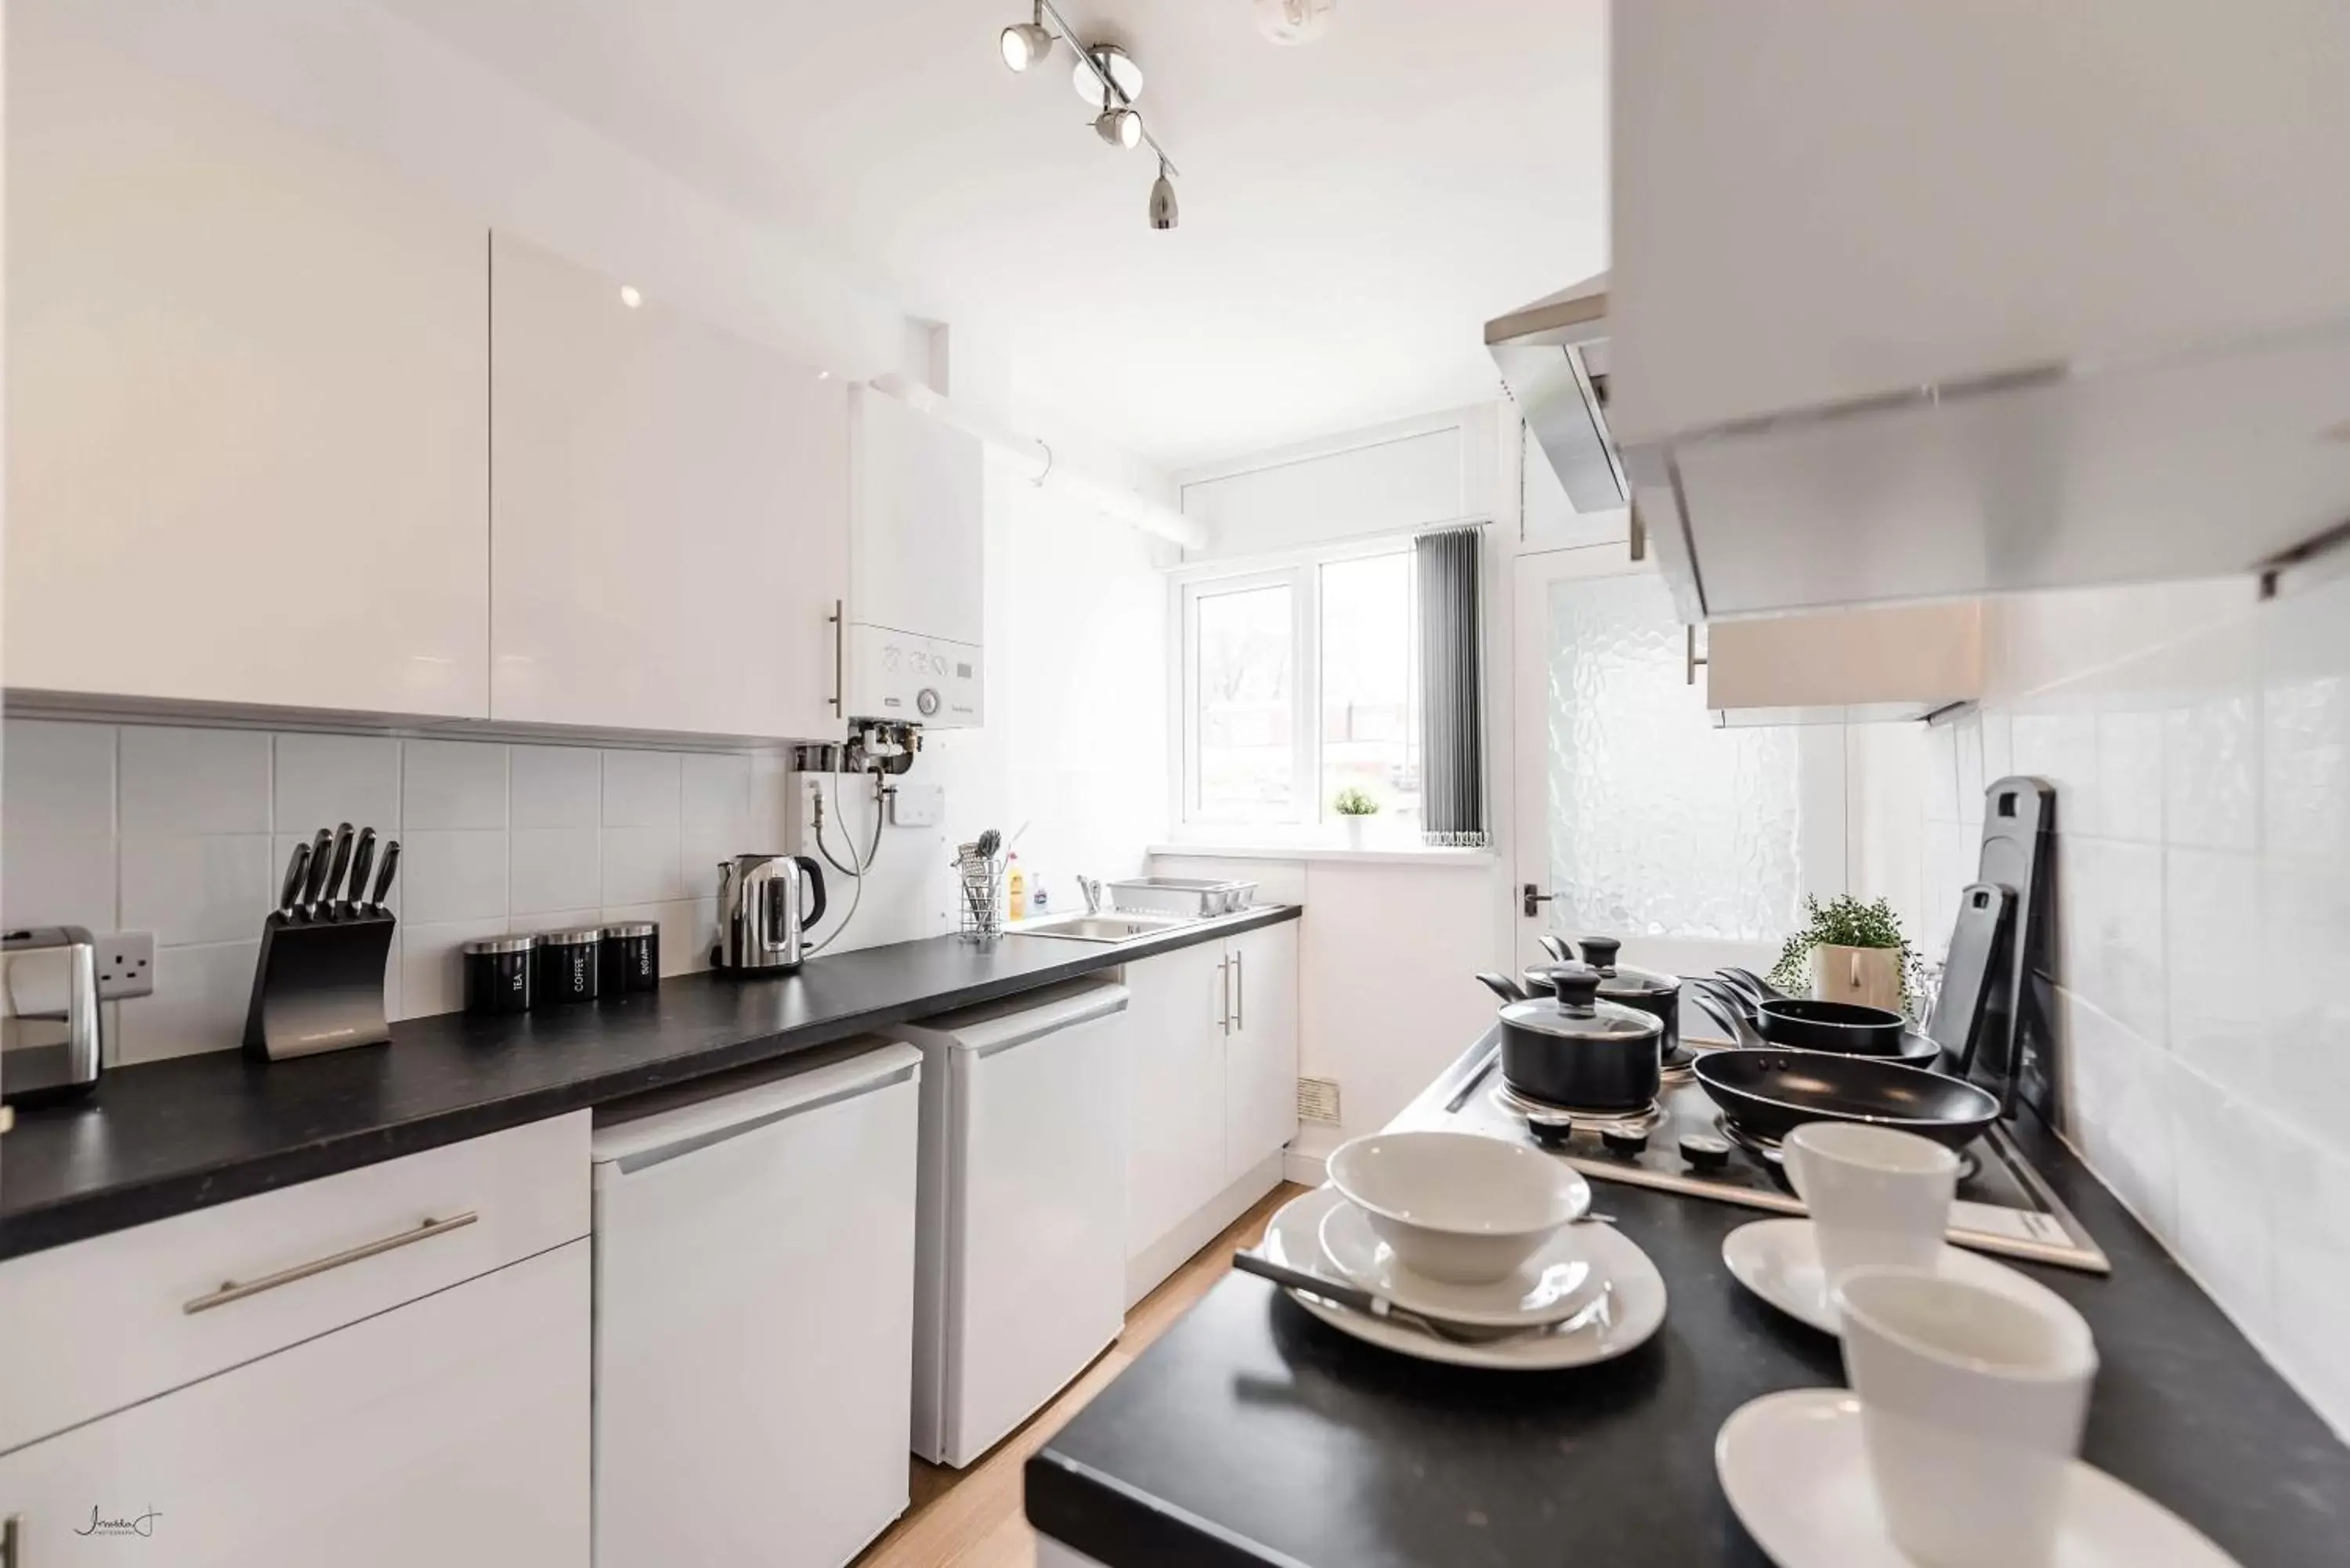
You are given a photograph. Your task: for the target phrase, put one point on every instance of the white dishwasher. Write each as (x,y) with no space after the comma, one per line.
(754,1324)
(1020,1278)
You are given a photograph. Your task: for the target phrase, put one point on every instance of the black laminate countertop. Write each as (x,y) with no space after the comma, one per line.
(1254,1434)
(164,1137)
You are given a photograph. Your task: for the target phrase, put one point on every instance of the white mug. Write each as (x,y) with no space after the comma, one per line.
(1877,1196)
(1971,1404)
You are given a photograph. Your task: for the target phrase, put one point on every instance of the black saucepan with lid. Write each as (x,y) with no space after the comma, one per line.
(1622,983)
(1571,1049)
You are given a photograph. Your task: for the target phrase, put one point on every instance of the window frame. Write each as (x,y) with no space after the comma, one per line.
(1300,571)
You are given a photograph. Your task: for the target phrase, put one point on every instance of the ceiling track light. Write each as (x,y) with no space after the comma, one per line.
(1104,73)
(1026,44)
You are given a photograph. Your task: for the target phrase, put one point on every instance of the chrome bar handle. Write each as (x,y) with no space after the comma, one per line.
(1224,995)
(840,659)
(236,1291)
(1239,991)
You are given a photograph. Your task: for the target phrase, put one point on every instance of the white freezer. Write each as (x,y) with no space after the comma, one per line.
(753,1278)
(1020,1277)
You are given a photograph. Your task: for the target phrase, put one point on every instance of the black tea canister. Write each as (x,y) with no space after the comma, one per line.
(632,957)
(498,974)
(566,964)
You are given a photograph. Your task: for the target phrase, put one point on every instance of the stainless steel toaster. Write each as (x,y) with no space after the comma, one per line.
(762,920)
(50,1040)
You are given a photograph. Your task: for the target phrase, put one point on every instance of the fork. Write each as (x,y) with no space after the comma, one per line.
(1371,1305)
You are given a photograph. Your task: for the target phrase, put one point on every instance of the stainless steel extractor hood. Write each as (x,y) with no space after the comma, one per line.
(1554,357)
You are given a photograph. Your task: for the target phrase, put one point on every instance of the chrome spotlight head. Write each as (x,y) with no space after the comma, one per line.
(1162,200)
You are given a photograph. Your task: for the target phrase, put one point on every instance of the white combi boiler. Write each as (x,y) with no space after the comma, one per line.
(911,639)
(753,1323)
(1020,1268)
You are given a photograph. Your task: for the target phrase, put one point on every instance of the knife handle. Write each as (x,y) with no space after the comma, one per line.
(339,864)
(383,873)
(321,850)
(296,872)
(1331,1290)
(362,858)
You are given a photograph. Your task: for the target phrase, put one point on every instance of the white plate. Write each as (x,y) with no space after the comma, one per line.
(1551,1285)
(1636,1308)
(1779,1260)
(1793,1468)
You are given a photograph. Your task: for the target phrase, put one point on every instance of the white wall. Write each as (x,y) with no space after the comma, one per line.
(2199,745)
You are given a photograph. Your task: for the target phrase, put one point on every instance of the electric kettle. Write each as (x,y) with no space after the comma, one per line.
(762,923)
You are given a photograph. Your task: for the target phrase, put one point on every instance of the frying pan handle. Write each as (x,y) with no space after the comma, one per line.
(1555,947)
(1734,1023)
(1502,986)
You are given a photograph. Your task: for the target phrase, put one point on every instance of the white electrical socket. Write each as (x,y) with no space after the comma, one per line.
(126,965)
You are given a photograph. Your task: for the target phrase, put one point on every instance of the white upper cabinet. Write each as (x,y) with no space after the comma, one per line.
(1921,300)
(669,513)
(248,407)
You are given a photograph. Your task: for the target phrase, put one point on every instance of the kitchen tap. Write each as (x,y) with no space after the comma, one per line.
(1092,888)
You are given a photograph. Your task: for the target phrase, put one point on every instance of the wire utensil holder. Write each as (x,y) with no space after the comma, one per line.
(979,902)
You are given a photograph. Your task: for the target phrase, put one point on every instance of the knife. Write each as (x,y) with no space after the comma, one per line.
(339,864)
(322,847)
(362,857)
(383,873)
(290,895)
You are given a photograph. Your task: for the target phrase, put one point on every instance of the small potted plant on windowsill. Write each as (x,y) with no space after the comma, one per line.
(1851,951)
(1354,808)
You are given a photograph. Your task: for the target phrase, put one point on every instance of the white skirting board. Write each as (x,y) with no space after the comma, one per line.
(1148,1268)
(1305,1170)
(1051,1553)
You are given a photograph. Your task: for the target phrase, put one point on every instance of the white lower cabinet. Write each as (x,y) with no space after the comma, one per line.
(1212,1093)
(452,1429)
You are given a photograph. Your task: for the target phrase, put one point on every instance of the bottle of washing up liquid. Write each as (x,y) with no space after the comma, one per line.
(1015,889)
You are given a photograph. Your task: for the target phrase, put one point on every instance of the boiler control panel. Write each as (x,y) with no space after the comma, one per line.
(913,680)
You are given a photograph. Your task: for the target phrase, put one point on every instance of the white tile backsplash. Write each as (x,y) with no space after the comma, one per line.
(641,789)
(58,778)
(554,868)
(194,781)
(186,831)
(453,784)
(556,786)
(454,875)
(2200,743)
(326,780)
(196,887)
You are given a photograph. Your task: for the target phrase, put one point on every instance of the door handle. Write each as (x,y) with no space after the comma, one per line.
(1239,991)
(1691,663)
(236,1291)
(1535,898)
(1224,995)
(840,662)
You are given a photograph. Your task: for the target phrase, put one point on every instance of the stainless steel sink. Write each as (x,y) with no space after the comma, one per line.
(1103,928)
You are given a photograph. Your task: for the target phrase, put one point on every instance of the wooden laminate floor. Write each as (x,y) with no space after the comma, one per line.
(971,1518)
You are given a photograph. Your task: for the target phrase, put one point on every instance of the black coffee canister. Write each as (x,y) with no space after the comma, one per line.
(631,957)
(566,964)
(498,974)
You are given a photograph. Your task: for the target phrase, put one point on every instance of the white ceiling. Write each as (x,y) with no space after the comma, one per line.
(1353,211)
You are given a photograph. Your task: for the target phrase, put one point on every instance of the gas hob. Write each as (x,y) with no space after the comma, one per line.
(1682,1145)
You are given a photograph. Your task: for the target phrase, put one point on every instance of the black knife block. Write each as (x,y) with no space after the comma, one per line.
(318,985)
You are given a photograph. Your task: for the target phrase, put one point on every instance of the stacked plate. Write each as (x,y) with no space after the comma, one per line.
(1474,1259)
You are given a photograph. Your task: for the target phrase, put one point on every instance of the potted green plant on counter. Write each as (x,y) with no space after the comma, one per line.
(1355,807)
(1851,951)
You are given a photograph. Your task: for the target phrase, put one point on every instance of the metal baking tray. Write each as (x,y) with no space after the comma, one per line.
(1194,897)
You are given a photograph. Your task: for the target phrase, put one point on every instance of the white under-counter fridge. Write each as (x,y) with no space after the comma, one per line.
(754,1313)
(1020,1280)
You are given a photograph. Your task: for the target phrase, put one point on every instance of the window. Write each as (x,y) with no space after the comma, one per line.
(1299,683)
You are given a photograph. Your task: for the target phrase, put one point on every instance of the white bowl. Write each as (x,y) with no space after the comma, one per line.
(1459,1207)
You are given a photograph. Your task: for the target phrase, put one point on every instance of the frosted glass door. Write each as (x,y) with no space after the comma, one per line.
(1639,816)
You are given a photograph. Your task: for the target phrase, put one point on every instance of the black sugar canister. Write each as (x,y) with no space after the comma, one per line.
(566,964)
(498,974)
(631,954)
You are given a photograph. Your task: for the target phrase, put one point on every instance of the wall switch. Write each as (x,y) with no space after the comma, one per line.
(126,965)
(918,805)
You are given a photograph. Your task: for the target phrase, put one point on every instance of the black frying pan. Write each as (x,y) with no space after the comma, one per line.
(1809,1025)
(1770,1094)
(1737,1019)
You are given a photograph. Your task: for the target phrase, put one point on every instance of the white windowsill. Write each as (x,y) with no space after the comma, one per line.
(1372,855)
